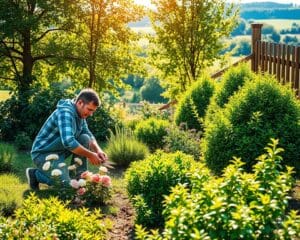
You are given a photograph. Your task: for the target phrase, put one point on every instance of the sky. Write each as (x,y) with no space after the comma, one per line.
(148,2)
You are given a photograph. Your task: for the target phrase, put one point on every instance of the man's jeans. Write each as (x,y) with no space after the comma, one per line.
(62,153)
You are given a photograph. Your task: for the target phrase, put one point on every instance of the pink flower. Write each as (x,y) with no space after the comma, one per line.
(81,191)
(86,175)
(96,178)
(106,181)
(74,183)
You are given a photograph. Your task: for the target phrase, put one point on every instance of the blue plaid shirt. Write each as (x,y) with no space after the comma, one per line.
(60,130)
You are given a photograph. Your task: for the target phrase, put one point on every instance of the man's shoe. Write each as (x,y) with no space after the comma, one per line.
(31,178)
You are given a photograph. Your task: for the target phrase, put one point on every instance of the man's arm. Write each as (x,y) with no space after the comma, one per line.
(96,148)
(93,157)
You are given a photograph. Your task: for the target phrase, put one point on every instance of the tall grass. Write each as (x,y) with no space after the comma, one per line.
(123,147)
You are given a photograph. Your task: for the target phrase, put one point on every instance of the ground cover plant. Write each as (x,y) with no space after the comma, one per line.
(237,205)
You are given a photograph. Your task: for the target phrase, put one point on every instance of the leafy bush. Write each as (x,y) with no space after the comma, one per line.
(184,140)
(11,194)
(101,123)
(149,180)
(262,109)
(7,155)
(50,219)
(27,111)
(123,147)
(193,104)
(22,141)
(237,205)
(151,132)
(231,82)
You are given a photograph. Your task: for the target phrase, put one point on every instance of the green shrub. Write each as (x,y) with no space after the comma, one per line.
(149,180)
(7,155)
(11,194)
(231,82)
(237,205)
(50,219)
(151,132)
(123,147)
(193,104)
(22,141)
(261,110)
(101,123)
(184,140)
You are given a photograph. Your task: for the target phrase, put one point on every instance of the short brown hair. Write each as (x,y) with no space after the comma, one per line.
(88,95)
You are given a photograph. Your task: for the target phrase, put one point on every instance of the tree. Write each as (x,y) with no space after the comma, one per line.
(188,38)
(152,91)
(26,27)
(106,41)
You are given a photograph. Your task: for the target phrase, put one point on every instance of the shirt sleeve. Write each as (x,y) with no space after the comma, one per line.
(65,123)
(86,130)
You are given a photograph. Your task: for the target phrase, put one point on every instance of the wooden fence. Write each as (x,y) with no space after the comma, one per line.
(281,60)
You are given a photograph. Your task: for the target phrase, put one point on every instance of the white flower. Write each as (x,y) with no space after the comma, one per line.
(103,169)
(74,184)
(72,167)
(56,172)
(61,165)
(46,166)
(82,182)
(52,157)
(78,161)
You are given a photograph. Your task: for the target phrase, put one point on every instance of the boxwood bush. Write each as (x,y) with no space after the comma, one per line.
(237,205)
(148,181)
(51,219)
(261,110)
(193,104)
(151,132)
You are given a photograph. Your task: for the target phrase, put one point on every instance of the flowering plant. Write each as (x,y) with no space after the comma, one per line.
(93,188)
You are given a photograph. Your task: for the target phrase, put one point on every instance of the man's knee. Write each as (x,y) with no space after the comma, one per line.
(84,140)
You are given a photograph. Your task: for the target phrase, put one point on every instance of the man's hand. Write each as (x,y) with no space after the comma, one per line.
(95,159)
(103,156)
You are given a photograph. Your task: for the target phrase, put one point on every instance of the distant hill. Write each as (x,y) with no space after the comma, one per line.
(254,10)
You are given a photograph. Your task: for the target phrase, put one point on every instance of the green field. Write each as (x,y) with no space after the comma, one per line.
(4,94)
(278,24)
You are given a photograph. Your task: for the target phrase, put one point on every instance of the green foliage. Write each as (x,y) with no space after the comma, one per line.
(262,109)
(151,132)
(11,194)
(184,140)
(193,104)
(22,141)
(152,90)
(149,180)
(231,82)
(7,155)
(26,112)
(237,205)
(50,219)
(101,123)
(188,38)
(124,148)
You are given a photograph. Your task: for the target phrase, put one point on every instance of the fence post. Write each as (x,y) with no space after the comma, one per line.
(256,36)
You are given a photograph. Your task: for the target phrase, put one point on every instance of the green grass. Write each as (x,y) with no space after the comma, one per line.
(4,94)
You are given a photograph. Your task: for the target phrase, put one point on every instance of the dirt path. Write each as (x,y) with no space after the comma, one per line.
(123,220)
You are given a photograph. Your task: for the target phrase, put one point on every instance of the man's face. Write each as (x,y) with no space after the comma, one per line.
(85,109)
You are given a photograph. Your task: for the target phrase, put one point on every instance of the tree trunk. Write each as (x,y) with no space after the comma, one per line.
(27,61)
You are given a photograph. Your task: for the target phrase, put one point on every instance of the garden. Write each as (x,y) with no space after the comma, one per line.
(223,163)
